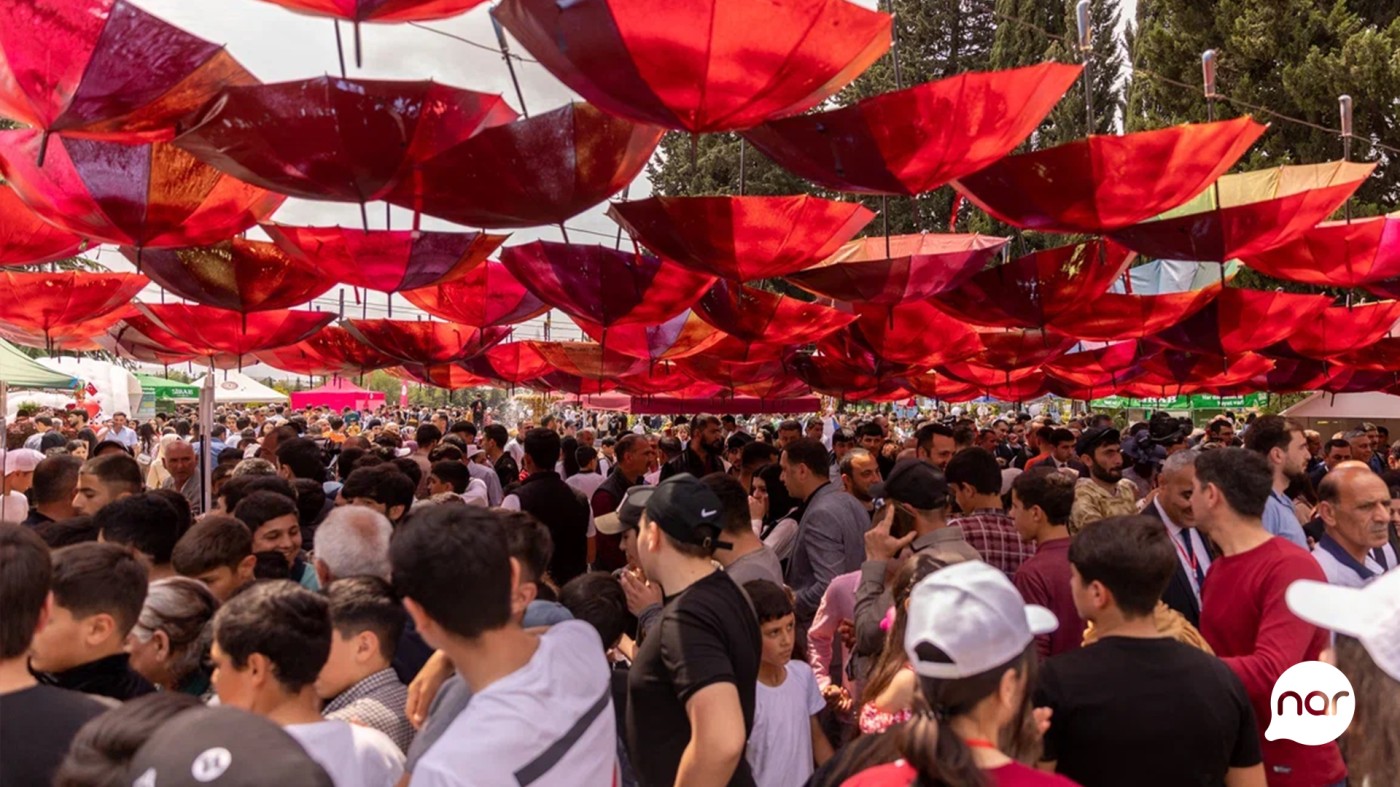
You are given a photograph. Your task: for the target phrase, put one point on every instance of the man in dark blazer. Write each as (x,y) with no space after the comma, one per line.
(1171,505)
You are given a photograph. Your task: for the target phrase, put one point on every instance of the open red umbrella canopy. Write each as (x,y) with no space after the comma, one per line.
(563,382)
(1290,375)
(1104,183)
(659,379)
(898,269)
(538,170)
(485,295)
(1339,330)
(332,138)
(1337,254)
(380,10)
(755,315)
(444,375)
(1170,372)
(832,375)
(679,337)
(139,338)
(385,260)
(603,285)
(1380,355)
(44,302)
(915,334)
(984,376)
(1247,213)
(1241,320)
(590,360)
(512,362)
(1030,291)
(1345,380)
(238,274)
(82,336)
(706,368)
(150,196)
(903,142)
(331,350)
(735,350)
(703,66)
(940,386)
(741,238)
(105,69)
(1116,316)
(26,239)
(210,331)
(425,342)
(1018,347)
(1098,366)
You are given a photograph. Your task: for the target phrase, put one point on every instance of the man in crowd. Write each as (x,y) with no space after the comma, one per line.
(427,437)
(830,533)
(788,430)
(933,443)
(218,551)
(104,479)
(859,473)
(544,495)
(747,558)
(1220,433)
(1105,492)
(55,483)
(494,438)
(702,454)
(1172,507)
(1243,614)
(20,464)
(634,455)
(179,460)
(975,481)
(1334,452)
(42,425)
(120,432)
(1354,505)
(1041,502)
(1283,446)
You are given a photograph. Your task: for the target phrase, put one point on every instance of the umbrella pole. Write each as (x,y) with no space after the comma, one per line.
(339,48)
(1208,79)
(206,426)
(1344,105)
(510,67)
(1086,56)
(359,59)
(742,148)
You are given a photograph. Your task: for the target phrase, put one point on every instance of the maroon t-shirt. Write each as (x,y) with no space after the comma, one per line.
(1044,580)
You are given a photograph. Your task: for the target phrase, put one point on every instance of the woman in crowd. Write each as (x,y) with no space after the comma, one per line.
(888,696)
(779,521)
(169,644)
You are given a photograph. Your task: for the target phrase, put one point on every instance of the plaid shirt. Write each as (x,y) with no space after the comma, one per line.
(992,533)
(377,701)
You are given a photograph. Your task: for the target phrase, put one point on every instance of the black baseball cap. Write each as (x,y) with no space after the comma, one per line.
(688,511)
(629,512)
(1091,439)
(915,482)
(222,747)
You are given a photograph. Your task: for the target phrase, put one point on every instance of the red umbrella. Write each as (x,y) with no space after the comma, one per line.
(735,350)
(833,376)
(1015,348)
(1291,375)
(1170,372)
(444,375)
(385,260)
(1100,366)
(916,334)
(332,138)
(602,285)
(486,295)
(757,315)
(1380,355)
(46,303)
(589,360)
(1340,329)
(741,238)
(152,196)
(939,386)
(563,382)
(331,350)
(902,142)
(732,375)
(210,331)
(898,269)
(1115,316)
(26,239)
(1337,254)
(425,341)
(704,66)
(139,338)
(679,337)
(105,69)
(984,376)
(242,275)
(74,337)
(660,379)
(1360,380)
(357,11)
(513,362)
(1241,320)
(1030,291)
(1107,182)
(1021,390)
(539,170)
(1247,213)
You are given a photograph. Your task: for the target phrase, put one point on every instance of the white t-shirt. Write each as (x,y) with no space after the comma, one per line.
(476,494)
(780,747)
(587,483)
(353,755)
(14,507)
(548,724)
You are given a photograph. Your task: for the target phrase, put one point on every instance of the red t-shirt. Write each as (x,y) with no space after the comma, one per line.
(1044,580)
(1012,774)
(1249,626)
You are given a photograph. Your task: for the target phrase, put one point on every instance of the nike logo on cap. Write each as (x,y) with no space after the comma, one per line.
(707,512)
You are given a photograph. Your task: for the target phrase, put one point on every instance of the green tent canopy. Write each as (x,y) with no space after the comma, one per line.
(164,389)
(18,370)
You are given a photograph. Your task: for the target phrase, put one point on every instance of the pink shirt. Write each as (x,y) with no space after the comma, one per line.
(824,637)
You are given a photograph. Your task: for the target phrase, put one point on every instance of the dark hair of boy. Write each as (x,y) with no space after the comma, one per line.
(311,501)
(145,522)
(215,541)
(345,463)
(1044,487)
(1242,476)
(755,455)
(259,508)
(67,532)
(444,554)
(496,433)
(367,604)
(977,467)
(426,435)
(55,478)
(284,622)
(96,578)
(530,543)
(542,446)
(734,501)
(598,599)
(181,504)
(26,573)
(384,484)
(445,452)
(241,486)
(302,458)
(453,473)
(118,471)
(770,600)
(1132,556)
(464,428)
(584,455)
(101,752)
(409,468)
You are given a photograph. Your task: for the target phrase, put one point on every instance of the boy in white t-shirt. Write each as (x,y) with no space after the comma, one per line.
(270,642)
(787,742)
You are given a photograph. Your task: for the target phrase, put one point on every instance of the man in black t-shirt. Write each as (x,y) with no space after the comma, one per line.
(36,722)
(701,661)
(1136,706)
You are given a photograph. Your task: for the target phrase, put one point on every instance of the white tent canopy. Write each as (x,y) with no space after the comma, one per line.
(111,387)
(1330,413)
(238,388)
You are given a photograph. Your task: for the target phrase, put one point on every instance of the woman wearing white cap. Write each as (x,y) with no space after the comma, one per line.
(969,638)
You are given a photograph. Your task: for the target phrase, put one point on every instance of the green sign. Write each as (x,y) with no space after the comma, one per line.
(1182,402)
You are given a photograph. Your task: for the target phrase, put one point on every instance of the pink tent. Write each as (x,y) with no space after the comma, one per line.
(337,395)
(665,405)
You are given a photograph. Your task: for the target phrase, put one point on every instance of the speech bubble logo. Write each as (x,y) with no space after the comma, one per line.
(1312,704)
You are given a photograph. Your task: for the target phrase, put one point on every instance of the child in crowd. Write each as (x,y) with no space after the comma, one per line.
(276,525)
(217,551)
(453,476)
(787,740)
(358,682)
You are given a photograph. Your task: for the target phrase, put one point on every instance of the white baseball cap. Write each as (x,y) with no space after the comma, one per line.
(974,615)
(22,460)
(1371,614)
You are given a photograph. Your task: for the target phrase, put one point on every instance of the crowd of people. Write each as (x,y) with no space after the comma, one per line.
(432,598)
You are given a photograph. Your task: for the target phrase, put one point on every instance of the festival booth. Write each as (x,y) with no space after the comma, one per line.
(20,373)
(158,392)
(238,388)
(337,395)
(106,387)
(1330,413)
(666,405)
